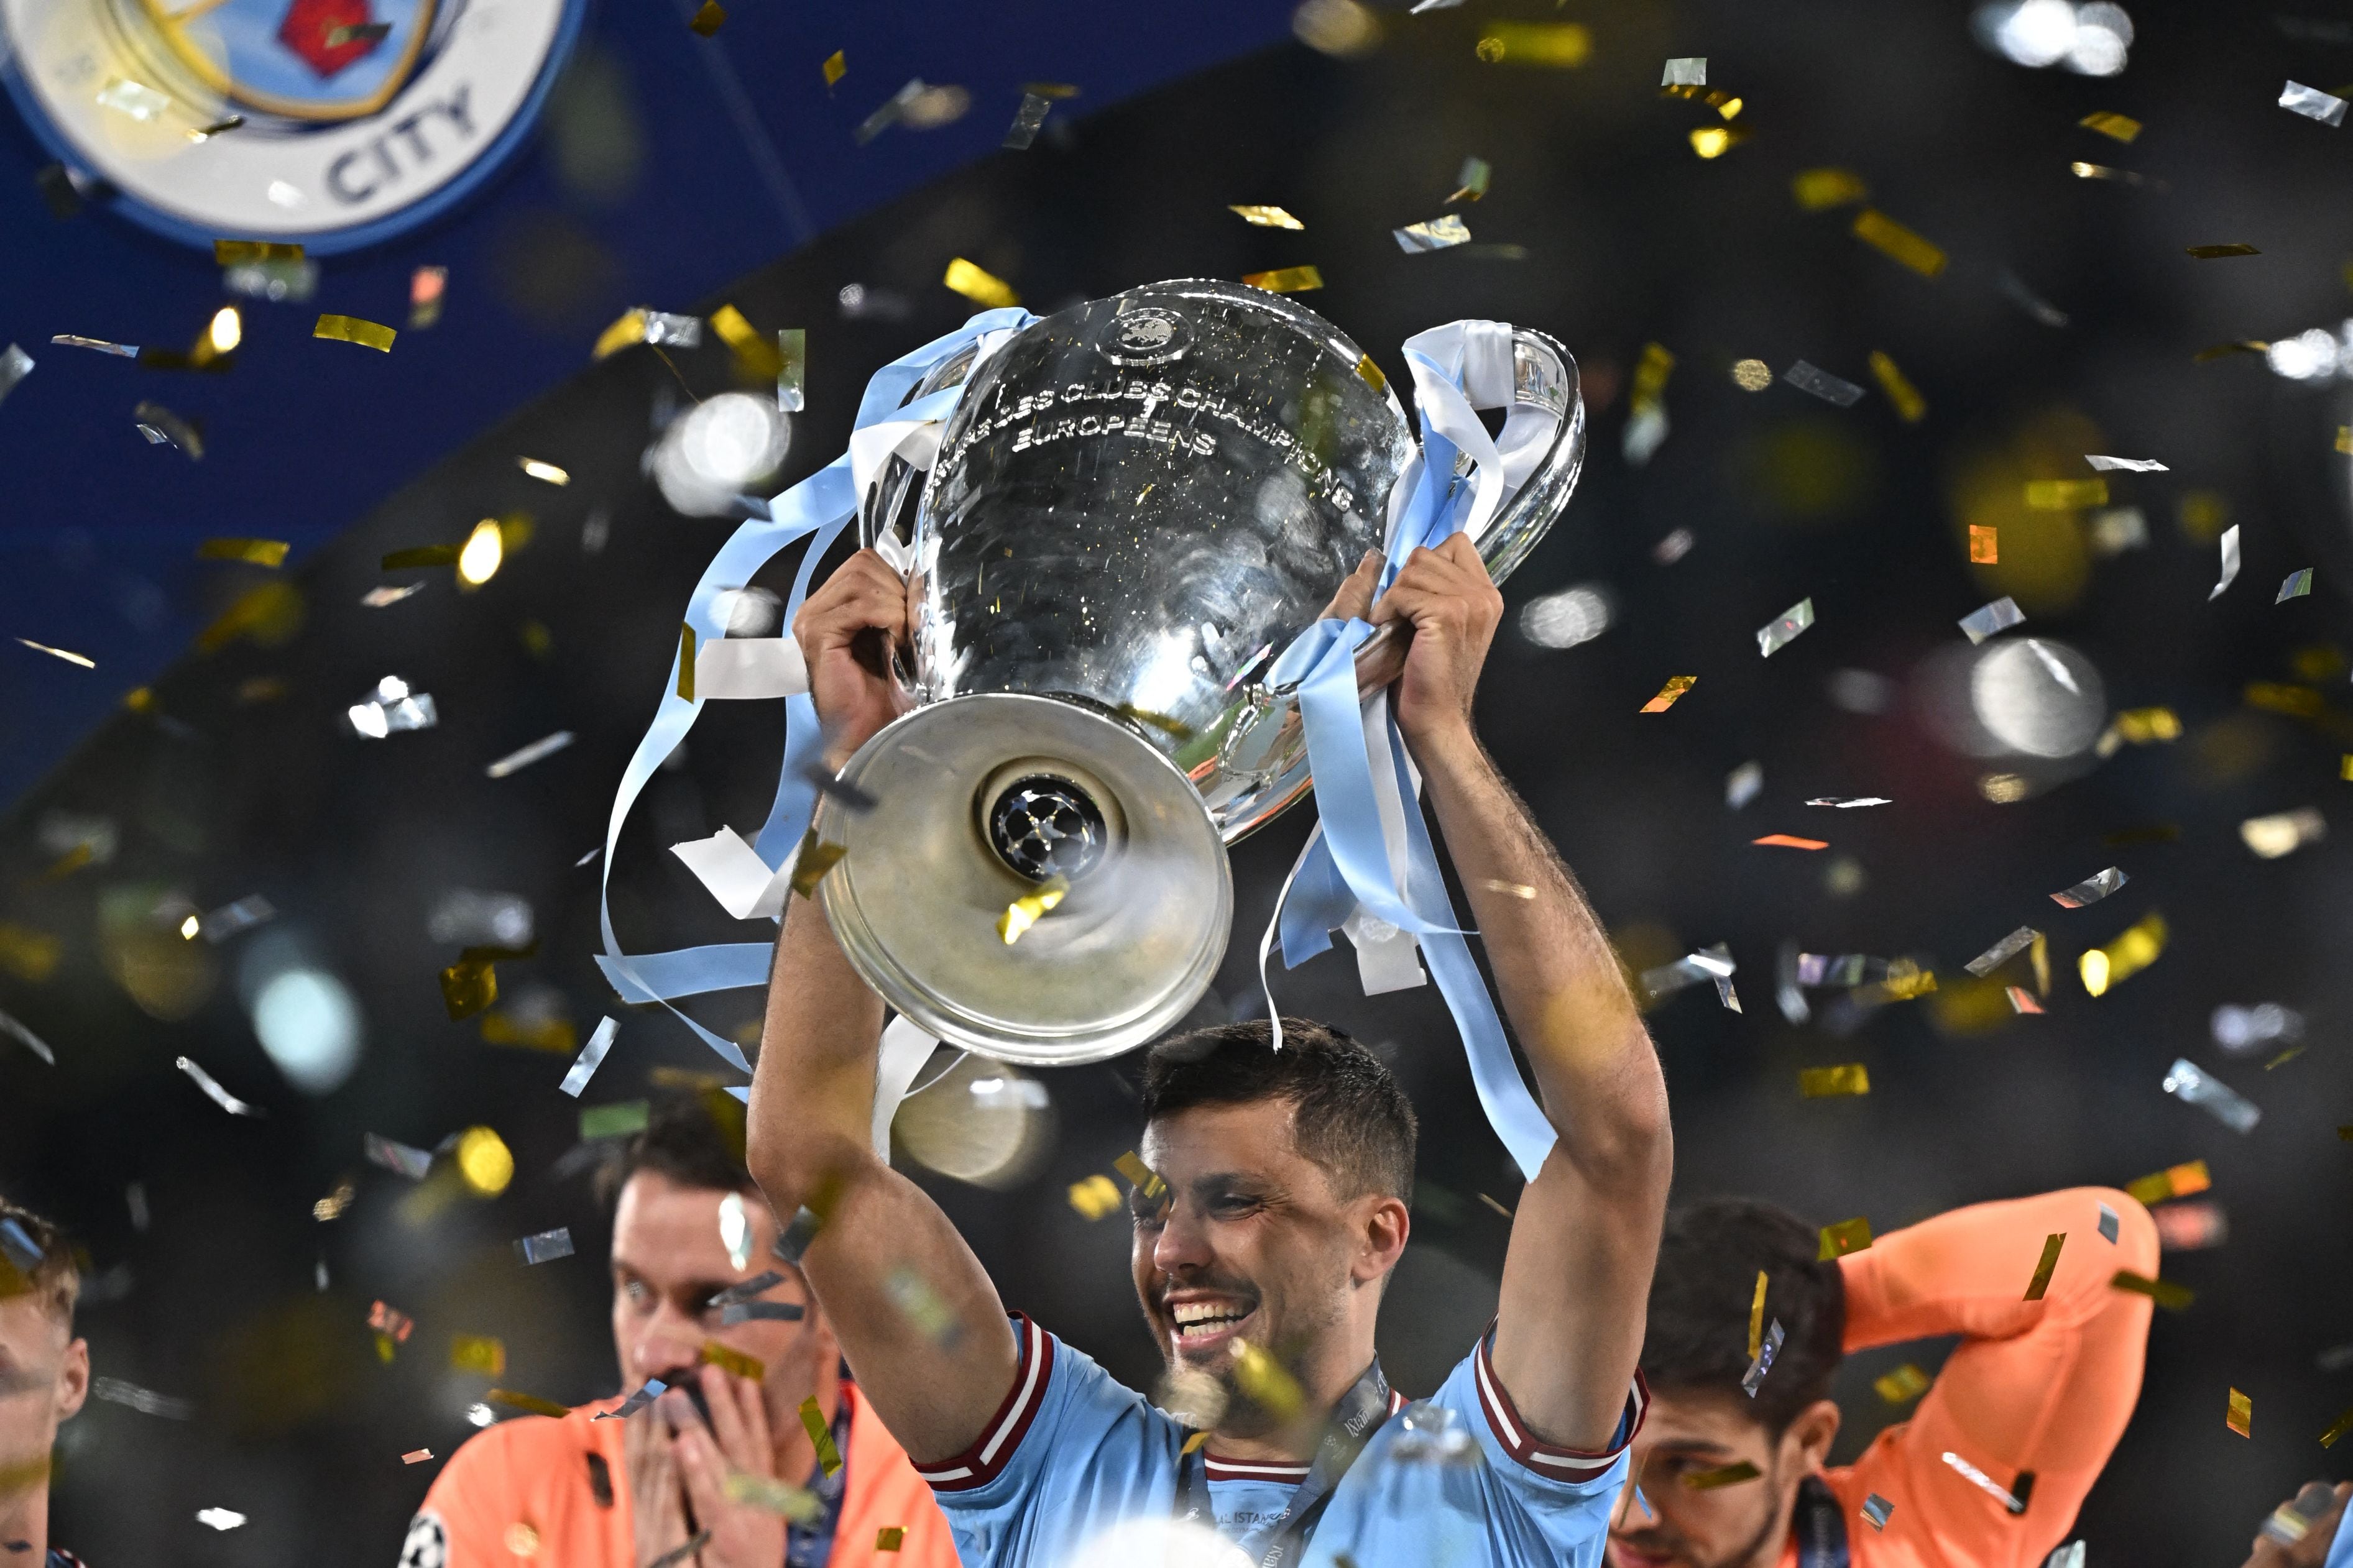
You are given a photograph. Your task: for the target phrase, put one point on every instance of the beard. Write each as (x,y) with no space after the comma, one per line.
(1657,1538)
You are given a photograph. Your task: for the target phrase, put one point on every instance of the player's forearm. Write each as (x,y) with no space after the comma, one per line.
(1967,1272)
(813,1089)
(1595,1067)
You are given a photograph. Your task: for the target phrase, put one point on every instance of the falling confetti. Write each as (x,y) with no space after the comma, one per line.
(1822,384)
(2046,1266)
(1286,281)
(1988,619)
(352,329)
(982,287)
(1782,632)
(212,1087)
(1876,228)
(2313,103)
(1847,1236)
(2091,891)
(1822,1083)
(1668,694)
(1438,234)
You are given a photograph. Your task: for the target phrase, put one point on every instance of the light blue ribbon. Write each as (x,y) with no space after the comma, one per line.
(817,509)
(1347,864)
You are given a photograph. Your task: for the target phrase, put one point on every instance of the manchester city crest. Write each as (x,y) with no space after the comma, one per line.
(330,122)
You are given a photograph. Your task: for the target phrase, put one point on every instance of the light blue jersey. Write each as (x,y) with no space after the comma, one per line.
(1072,1455)
(2340,1549)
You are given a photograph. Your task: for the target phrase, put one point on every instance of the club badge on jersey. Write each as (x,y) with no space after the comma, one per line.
(328,124)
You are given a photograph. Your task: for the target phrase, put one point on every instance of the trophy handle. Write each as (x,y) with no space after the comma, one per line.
(902,480)
(1543,373)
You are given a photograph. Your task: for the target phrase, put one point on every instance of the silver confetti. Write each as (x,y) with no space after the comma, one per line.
(546,1246)
(414,1163)
(15,364)
(759,1312)
(2068,1556)
(1437,234)
(212,1086)
(1766,1348)
(1690,71)
(121,350)
(2137,465)
(1822,384)
(1999,617)
(2298,584)
(2003,952)
(1983,1482)
(2091,891)
(2188,1081)
(1742,784)
(1772,638)
(145,1401)
(1877,1509)
(654,1389)
(163,428)
(1026,121)
(585,1065)
(516,761)
(2229,561)
(25,1036)
(745,1290)
(2109,1223)
(2312,104)
(230,919)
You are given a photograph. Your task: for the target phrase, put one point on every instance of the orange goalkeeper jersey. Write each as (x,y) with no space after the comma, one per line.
(2035,1396)
(537,1492)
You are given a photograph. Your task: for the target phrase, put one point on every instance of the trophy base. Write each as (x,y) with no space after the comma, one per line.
(929,872)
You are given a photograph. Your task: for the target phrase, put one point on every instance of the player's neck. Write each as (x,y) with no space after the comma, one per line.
(1327,1377)
(26,1517)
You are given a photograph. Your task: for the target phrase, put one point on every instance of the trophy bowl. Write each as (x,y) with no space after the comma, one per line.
(1137,504)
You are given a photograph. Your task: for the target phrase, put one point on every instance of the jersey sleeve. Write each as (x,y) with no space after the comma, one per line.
(2037,1393)
(1565,1494)
(1069,1444)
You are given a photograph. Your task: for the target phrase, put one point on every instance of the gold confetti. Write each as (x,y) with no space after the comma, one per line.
(531,1403)
(771,1496)
(2345,438)
(1899,244)
(2241,1416)
(1751,375)
(829,1456)
(2143,725)
(59,652)
(1139,1175)
(2215,252)
(28,954)
(478,1353)
(2342,1424)
(1492,1204)
(2345,768)
(2123,127)
(260,551)
(2065,495)
(417,1456)
(333,1206)
(1715,141)
(2178,1181)
(1031,908)
(245,252)
(2043,1270)
(1757,1318)
(837,66)
(709,19)
(523,1540)
(890,1538)
(2223,351)
(750,1368)
(1910,406)
(2132,951)
(67,864)
(1262,1378)
(815,859)
(1509,889)
(1985,544)
(1286,279)
(2173,1297)
(629,328)
(352,329)
(1473,179)
(1790,841)
(1096,1196)
(1562,45)
(546,473)
(1818,190)
(982,287)
(1370,373)
(1847,1236)
(1730,1475)
(1823,1083)
(1266,217)
(756,355)
(1669,693)
(1900,1387)
(468,986)
(685,662)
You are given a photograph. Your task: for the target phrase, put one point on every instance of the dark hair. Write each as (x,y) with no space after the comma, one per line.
(1697,1339)
(55,1276)
(696,1140)
(1349,1116)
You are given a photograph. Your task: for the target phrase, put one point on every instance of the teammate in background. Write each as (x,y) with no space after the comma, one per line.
(2032,1401)
(1277,1210)
(583,1493)
(44,1378)
(2308,1530)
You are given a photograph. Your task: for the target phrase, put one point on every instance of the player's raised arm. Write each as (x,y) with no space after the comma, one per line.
(885,1260)
(1586,1230)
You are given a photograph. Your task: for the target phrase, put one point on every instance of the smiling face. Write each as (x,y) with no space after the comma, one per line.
(1687,1433)
(1254,1242)
(670,1259)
